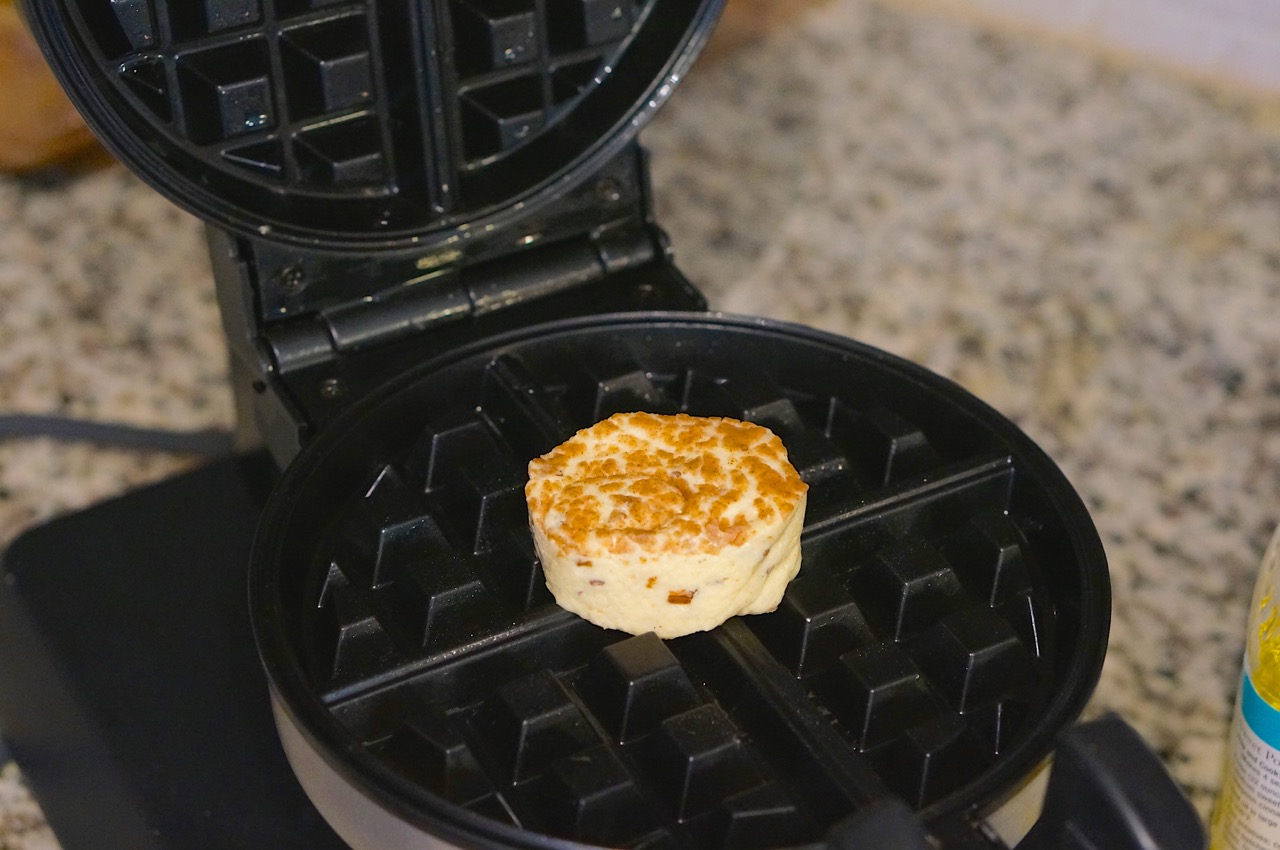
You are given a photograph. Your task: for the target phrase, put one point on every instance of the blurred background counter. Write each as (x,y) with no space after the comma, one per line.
(1089,243)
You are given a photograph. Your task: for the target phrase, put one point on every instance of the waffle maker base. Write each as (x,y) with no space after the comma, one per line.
(102,622)
(949,619)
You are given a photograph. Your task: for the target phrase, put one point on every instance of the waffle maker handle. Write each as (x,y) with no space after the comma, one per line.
(887,824)
(1108,790)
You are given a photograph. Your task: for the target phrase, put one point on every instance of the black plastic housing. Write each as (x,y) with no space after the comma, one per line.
(949,618)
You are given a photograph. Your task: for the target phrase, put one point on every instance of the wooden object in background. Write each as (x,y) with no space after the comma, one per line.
(40,127)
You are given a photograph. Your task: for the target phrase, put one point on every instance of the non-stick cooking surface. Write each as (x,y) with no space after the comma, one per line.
(359,122)
(950,615)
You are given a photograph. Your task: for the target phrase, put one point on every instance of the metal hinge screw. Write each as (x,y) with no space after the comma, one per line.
(332,388)
(609,190)
(290,279)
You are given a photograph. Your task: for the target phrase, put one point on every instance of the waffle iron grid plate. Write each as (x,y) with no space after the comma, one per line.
(949,618)
(359,123)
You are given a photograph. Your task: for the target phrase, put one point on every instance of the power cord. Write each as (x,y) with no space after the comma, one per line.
(208,441)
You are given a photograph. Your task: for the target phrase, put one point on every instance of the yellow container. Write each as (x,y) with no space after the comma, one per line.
(1247,814)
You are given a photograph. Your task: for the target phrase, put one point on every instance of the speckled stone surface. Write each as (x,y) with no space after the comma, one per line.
(1092,249)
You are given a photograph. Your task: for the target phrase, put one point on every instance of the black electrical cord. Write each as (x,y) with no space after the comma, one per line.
(208,441)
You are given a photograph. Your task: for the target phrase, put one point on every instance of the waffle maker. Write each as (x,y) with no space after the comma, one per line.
(435,259)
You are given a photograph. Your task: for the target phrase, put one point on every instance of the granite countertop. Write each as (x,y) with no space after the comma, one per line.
(1090,247)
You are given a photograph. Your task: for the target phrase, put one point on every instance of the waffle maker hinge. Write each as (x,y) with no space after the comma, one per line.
(311,331)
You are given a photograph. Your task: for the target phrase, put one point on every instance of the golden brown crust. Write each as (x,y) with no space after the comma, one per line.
(661,484)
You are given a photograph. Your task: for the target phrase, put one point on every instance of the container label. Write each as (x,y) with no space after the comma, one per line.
(1249,811)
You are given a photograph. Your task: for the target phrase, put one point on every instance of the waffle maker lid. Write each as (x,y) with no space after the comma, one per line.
(367,123)
(373,170)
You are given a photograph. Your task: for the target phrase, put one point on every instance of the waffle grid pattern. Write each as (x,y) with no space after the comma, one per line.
(322,97)
(915,647)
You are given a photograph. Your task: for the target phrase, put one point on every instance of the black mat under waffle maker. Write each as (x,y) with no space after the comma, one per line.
(435,258)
